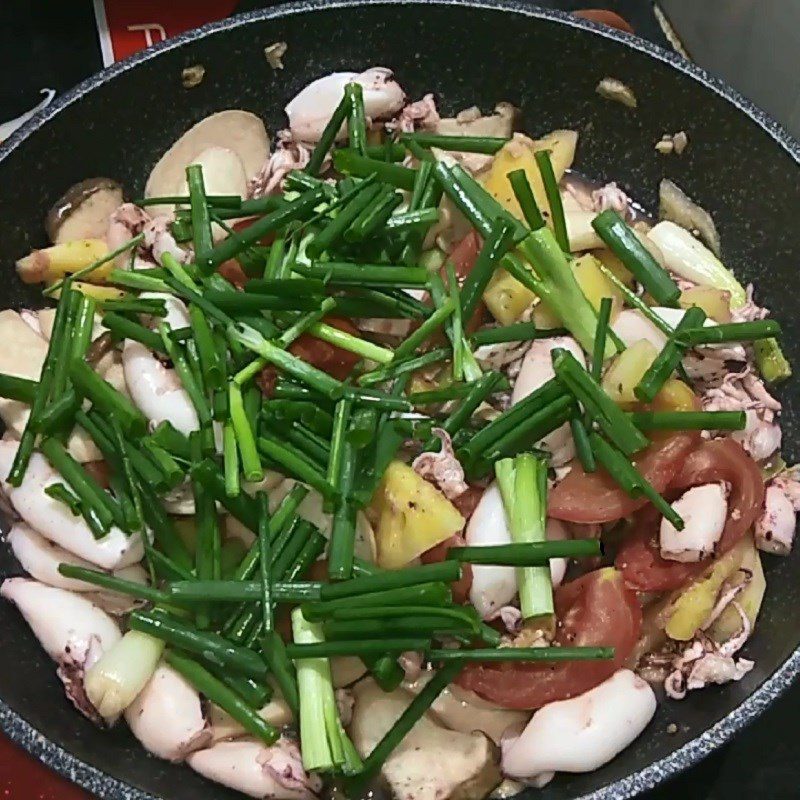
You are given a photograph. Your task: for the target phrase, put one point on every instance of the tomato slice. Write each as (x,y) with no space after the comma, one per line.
(462,586)
(639,558)
(328,357)
(597,609)
(464,255)
(595,497)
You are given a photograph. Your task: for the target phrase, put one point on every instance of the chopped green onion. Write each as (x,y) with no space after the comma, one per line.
(355,647)
(442,571)
(124,328)
(549,654)
(669,358)
(372,221)
(405,722)
(245,438)
(517,332)
(497,244)
(328,137)
(598,353)
(527,202)
(351,163)
(409,346)
(378,275)
(580,436)
(634,301)
(353,344)
(297,209)
(210,361)
(487,145)
(771,362)
(295,464)
(630,479)
(315,378)
(359,199)
(112,583)
(509,421)
(323,741)
(58,491)
(689,420)
(730,332)
(230,456)
(215,691)
(553,198)
(432,594)
(526,554)
(622,241)
(602,408)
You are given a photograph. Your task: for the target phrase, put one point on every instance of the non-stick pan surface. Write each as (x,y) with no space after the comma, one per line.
(739,164)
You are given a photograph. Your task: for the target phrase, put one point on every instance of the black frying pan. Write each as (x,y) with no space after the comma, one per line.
(739,164)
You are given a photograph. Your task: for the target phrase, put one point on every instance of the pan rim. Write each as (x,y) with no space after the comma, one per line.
(101,783)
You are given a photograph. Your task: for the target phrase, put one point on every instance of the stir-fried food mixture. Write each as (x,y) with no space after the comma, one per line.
(397,453)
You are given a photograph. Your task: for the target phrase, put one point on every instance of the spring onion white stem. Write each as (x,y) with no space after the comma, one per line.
(324,746)
(114,681)
(689,258)
(523,486)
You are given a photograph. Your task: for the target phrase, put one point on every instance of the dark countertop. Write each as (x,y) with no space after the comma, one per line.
(47,44)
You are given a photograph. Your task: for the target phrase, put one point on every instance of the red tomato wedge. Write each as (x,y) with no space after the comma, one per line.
(461,587)
(596,610)
(328,357)
(595,497)
(639,558)
(463,256)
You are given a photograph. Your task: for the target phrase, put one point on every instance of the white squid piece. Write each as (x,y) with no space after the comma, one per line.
(310,110)
(73,631)
(59,619)
(774,529)
(536,370)
(494,587)
(631,326)
(156,390)
(704,510)
(57,523)
(583,733)
(167,716)
(40,559)
(256,770)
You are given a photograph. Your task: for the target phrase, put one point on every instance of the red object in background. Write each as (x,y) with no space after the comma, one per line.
(604,17)
(23,778)
(127,26)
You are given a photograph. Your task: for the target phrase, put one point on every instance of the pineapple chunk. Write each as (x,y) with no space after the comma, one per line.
(627,370)
(59,260)
(614,264)
(93,290)
(505,297)
(675,395)
(543,317)
(519,154)
(594,284)
(412,516)
(715,302)
(691,606)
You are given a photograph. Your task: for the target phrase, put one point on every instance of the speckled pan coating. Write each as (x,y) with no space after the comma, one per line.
(739,163)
